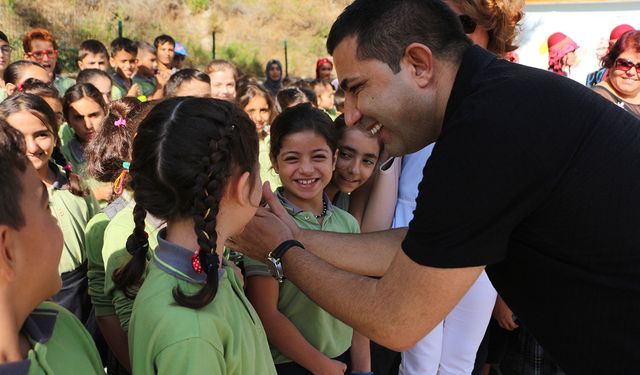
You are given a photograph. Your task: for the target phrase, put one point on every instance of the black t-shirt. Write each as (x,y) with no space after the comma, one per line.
(538,177)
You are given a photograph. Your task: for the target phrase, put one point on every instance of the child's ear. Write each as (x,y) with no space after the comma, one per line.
(112,62)
(80,65)
(335,159)
(274,164)
(239,189)
(10,88)
(7,257)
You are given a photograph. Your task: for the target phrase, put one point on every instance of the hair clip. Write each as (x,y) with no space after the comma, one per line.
(198,257)
(68,167)
(121,123)
(20,86)
(126,165)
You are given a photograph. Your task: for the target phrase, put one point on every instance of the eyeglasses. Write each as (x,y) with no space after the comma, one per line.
(626,65)
(468,24)
(39,55)
(6,49)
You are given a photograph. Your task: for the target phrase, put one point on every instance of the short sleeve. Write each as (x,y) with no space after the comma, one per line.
(190,356)
(253,267)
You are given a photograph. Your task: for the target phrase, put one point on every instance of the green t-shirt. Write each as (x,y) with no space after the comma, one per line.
(72,213)
(94,240)
(3,94)
(66,134)
(147,85)
(326,333)
(62,84)
(223,337)
(115,255)
(266,172)
(115,93)
(59,345)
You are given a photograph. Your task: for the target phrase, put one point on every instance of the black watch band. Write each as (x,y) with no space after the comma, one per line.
(279,251)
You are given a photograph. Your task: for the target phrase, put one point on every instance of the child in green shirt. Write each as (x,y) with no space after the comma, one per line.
(70,203)
(37,337)
(304,338)
(195,166)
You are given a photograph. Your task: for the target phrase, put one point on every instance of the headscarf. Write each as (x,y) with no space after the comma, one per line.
(272,86)
(321,61)
(559,46)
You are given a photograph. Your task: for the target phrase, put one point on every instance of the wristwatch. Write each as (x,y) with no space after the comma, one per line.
(274,258)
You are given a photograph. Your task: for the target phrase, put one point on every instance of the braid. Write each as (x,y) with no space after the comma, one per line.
(137,245)
(75,185)
(210,182)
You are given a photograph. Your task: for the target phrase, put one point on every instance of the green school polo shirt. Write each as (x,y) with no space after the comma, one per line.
(223,337)
(115,255)
(266,172)
(326,333)
(94,240)
(72,213)
(62,84)
(59,345)
(66,134)
(147,85)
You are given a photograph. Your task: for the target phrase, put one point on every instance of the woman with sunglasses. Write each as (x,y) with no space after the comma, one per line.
(40,47)
(622,85)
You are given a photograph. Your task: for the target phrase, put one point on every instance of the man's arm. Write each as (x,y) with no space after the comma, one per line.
(395,311)
(366,254)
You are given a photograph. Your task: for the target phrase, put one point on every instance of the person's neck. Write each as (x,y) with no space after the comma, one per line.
(314,205)
(444,81)
(12,318)
(332,191)
(632,99)
(182,233)
(47,175)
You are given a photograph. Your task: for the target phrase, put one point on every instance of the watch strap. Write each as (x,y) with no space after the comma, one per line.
(279,251)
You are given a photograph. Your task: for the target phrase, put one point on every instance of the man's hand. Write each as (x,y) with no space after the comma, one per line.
(268,229)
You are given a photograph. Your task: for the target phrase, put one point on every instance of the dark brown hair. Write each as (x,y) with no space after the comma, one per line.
(184,153)
(40,109)
(79,91)
(13,163)
(112,144)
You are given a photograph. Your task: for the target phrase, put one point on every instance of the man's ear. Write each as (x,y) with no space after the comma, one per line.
(10,88)
(419,59)
(7,255)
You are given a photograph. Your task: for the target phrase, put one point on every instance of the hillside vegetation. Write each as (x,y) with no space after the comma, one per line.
(249,32)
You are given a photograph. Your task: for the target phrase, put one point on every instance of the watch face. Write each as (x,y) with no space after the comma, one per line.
(272,267)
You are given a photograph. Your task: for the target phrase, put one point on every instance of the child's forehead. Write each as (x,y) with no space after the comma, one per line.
(91,55)
(123,54)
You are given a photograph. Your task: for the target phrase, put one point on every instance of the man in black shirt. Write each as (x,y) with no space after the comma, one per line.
(533,176)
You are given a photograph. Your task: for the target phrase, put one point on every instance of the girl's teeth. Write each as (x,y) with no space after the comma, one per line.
(376,129)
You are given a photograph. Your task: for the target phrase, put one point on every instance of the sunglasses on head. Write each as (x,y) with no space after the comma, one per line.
(468,24)
(625,65)
(39,55)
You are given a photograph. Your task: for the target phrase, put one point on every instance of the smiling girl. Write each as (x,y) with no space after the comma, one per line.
(303,337)
(70,203)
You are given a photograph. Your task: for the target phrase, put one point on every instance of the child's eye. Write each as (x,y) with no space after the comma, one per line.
(344,155)
(368,161)
(320,157)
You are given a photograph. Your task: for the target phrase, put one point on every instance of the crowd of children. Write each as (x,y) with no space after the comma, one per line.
(147,178)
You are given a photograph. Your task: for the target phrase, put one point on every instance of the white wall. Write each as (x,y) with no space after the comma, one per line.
(588,24)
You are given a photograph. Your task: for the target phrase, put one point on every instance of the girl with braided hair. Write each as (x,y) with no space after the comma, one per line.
(194,166)
(70,203)
(108,155)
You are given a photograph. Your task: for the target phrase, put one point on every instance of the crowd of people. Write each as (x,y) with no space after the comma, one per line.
(134,238)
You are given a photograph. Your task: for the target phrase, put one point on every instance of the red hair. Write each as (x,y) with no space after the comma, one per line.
(321,61)
(628,41)
(37,34)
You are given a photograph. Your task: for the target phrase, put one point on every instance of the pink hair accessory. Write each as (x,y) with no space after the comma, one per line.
(121,123)
(68,167)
